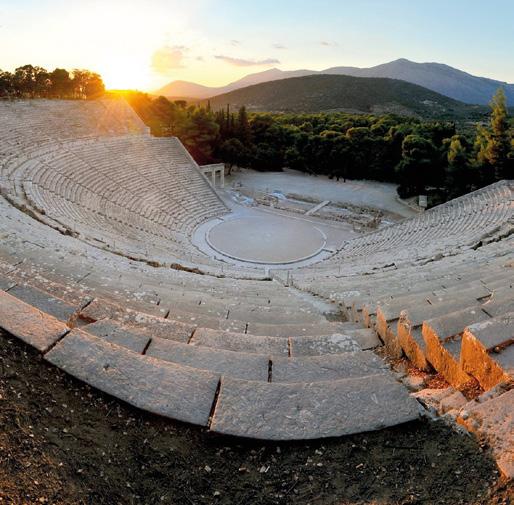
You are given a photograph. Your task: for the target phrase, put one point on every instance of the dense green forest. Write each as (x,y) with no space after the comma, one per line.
(29,81)
(430,157)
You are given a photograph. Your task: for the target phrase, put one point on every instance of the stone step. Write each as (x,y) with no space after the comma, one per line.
(240,342)
(45,302)
(119,335)
(148,324)
(501,302)
(228,363)
(394,327)
(350,326)
(289,330)
(167,389)
(411,341)
(393,304)
(36,328)
(365,337)
(487,351)
(6,283)
(207,321)
(281,411)
(408,330)
(328,367)
(442,338)
(318,346)
(272,315)
(280,346)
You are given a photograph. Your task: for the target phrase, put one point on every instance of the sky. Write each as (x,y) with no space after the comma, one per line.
(146,44)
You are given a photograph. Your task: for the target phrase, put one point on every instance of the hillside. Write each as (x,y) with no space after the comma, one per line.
(325,93)
(437,77)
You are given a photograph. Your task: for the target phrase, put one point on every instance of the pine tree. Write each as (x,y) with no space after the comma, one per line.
(243,126)
(499,142)
(457,170)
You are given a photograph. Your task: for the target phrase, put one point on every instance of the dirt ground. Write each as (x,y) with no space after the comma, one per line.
(63,443)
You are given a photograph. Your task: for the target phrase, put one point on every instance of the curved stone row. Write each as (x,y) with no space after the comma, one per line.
(125,190)
(304,397)
(446,229)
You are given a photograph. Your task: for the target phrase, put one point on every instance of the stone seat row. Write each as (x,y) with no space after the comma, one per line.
(89,178)
(456,227)
(428,326)
(231,392)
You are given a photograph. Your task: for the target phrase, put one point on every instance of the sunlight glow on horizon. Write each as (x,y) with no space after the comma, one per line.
(144,45)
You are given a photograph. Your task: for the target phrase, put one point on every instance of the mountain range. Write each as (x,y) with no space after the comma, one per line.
(442,79)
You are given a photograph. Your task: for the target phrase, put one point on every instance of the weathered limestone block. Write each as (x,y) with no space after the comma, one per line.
(278,411)
(317,346)
(167,389)
(240,342)
(385,327)
(290,330)
(442,337)
(327,367)
(488,350)
(36,328)
(43,301)
(412,343)
(229,363)
(140,321)
(119,335)
(366,338)
(6,283)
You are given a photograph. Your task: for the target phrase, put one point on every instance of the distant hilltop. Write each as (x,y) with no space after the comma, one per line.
(443,79)
(343,93)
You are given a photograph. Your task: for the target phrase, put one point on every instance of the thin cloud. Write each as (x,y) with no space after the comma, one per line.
(235,42)
(278,46)
(328,43)
(167,58)
(241,62)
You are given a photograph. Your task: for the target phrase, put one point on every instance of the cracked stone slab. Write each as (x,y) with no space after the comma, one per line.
(163,388)
(293,330)
(277,411)
(240,342)
(148,324)
(44,302)
(234,364)
(119,335)
(209,321)
(6,283)
(36,328)
(328,367)
(317,346)
(365,337)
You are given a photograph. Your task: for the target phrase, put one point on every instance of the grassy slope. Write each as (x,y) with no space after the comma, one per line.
(323,93)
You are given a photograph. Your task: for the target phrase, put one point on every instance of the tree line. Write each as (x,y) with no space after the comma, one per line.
(422,157)
(31,81)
